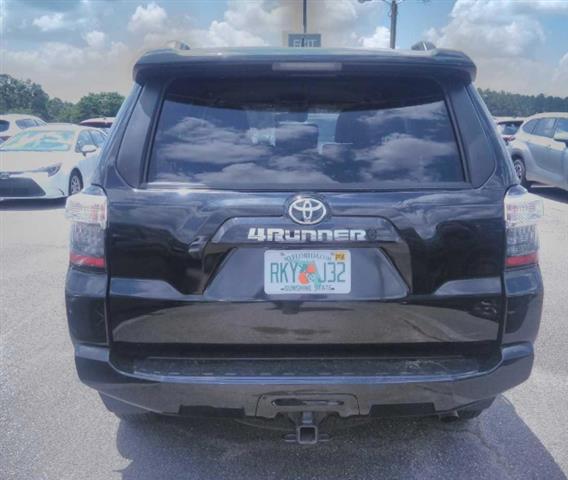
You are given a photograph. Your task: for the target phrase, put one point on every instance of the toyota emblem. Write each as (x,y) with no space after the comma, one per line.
(307,211)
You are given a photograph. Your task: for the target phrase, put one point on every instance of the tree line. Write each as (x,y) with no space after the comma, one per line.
(25,96)
(505,104)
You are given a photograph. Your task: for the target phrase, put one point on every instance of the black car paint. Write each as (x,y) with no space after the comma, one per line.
(159,298)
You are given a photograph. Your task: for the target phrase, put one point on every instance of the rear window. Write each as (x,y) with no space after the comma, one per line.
(305,132)
(545,127)
(562,125)
(508,128)
(529,126)
(4,125)
(25,123)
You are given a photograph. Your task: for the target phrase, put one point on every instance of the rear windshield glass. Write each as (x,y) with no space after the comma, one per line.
(508,128)
(305,132)
(25,123)
(4,125)
(43,141)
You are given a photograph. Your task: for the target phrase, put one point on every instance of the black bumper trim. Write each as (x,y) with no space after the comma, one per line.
(172,395)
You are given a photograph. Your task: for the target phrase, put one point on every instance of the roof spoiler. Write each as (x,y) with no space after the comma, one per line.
(428,61)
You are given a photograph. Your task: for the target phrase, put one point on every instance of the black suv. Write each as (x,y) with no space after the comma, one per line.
(303,232)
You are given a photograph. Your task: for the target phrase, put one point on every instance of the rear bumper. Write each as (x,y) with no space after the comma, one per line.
(426,392)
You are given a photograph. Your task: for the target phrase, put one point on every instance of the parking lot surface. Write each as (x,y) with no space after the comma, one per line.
(52,427)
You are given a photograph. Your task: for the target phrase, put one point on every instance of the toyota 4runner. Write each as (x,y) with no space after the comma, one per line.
(306,233)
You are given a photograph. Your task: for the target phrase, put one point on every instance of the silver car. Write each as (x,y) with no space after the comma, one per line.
(540,150)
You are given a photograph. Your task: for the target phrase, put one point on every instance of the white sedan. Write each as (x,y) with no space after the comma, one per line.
(52,161)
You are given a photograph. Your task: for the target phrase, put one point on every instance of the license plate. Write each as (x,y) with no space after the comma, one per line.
(288,272)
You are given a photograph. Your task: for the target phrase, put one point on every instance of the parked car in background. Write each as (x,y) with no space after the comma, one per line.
(52,161)
(356,246)
(508,126)
(539,150)
(103,123)
(14,123)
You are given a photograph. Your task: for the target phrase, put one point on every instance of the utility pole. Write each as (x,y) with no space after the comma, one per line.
(393,14)
(305,22)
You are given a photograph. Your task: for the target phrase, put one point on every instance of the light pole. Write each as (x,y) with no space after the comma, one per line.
(305,17)
(393,14)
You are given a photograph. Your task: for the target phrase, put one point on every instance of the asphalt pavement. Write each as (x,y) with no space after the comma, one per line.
(52,427)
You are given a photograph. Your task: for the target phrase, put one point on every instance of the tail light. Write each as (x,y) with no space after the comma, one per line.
(87,212)
(522,212)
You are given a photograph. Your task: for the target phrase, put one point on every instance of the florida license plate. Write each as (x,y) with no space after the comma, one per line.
(307,272)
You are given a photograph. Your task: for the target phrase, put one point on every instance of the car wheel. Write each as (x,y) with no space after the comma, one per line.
(521,171)
(75,183)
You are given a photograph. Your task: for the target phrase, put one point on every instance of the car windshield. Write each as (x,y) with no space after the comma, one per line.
(40,141)
(357,133)
(4,125)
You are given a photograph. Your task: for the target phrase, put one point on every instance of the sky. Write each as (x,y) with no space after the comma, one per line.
(73,47)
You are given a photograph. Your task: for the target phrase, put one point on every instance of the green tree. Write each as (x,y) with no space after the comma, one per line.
(105,104)
(22,96)
(60,111)
(512,104)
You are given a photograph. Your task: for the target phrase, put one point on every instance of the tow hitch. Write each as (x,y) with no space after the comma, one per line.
(307,410)
(307,428)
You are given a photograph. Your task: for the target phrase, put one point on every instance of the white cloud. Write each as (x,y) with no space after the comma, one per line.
(504,38)
(69,72)
(224,34)
(95,39)
(48,23)
(251,23)
(546,6)
(49,57)
(263,22)
(257,16)
(560,76)
(379,39)
(259,23)
(489,28)
(150,18)
(2,17)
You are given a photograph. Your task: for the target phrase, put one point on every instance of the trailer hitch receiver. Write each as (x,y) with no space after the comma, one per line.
(307,428)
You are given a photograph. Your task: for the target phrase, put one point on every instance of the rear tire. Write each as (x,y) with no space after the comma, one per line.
(75,183)
(521,171)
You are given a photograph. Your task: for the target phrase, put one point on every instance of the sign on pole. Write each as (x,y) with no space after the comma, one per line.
(299,40)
